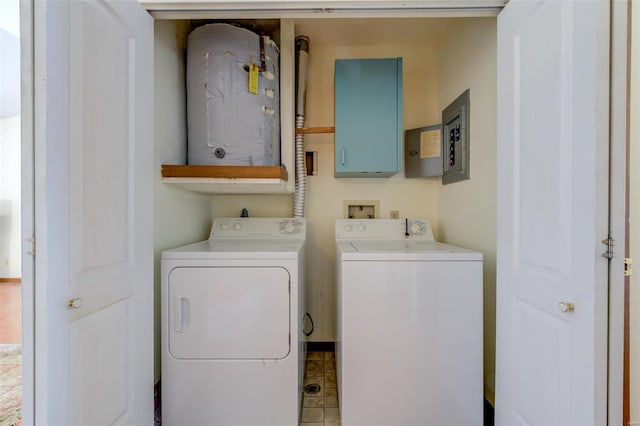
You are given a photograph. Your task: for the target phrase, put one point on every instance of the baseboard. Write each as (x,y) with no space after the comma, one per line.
(10,280)
(321,346)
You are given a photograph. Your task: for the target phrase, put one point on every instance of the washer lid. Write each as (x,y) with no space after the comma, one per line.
(400,246)
(399,250)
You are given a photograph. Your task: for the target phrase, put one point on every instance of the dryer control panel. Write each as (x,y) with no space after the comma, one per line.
(258,228)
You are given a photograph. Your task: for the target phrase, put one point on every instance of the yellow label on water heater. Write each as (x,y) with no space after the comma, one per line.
(253,79)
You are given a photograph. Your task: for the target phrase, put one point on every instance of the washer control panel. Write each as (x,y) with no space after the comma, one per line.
(383,229)
(257,228)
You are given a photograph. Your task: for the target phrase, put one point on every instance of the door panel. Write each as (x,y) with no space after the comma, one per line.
(540,382)
(552,198)
(541,150)
(101,167)
(229,313)
(103,361)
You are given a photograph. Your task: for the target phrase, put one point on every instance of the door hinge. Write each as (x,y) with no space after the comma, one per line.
(628,271)
(609,252)
(32,252)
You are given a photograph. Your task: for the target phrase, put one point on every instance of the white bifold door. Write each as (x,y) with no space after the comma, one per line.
(94,266)
(553,100)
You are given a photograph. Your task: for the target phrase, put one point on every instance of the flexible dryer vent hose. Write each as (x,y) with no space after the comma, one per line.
(302,59)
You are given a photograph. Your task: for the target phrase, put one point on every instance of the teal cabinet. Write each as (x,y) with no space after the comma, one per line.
(368,117)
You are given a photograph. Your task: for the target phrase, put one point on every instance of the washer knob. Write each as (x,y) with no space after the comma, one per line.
(224,227)
(237,226)
(416,229)
(362,228)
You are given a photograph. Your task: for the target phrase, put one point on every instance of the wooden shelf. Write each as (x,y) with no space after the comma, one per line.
(310,130)
(227,179)
(225,172)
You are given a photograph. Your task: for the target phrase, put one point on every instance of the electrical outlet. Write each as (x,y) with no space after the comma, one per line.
(394,214)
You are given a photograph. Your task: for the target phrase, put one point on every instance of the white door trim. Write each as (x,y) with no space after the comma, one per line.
(619,134)
(27,211)
(175,9)
(39,43)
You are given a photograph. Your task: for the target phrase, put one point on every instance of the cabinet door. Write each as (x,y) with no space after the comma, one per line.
(368,117)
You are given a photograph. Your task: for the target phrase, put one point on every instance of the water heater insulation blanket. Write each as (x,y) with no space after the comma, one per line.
(228,124)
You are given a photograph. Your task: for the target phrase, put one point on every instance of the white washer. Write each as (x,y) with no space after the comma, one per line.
(232,340)
(409,349)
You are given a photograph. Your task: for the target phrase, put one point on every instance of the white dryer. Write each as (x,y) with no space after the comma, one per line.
(232,339)
(409,349)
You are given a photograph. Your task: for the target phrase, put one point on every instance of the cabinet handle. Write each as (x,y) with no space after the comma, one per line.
(342,153)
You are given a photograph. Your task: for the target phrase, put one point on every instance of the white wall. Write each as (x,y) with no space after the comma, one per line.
(10,253)
(180,217)
(634,222)
(258,205)
(10,260)
(467,209)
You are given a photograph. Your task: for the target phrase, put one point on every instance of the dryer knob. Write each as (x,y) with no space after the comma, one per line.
(224,226)
(348,228)
(290,228)
(237,226)
(362,228)
(416,229)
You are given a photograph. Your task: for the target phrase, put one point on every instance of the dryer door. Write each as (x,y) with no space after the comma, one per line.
(229,313)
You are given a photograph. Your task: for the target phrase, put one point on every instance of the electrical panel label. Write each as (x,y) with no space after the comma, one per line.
(430,146)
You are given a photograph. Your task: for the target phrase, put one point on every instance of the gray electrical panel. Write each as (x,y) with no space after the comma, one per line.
(455,138)
(423,151)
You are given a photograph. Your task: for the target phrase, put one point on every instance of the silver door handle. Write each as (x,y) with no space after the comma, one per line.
(75,303)
(566,307)
(342,153)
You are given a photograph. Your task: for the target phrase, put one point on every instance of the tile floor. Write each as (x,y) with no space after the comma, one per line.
(320,408)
